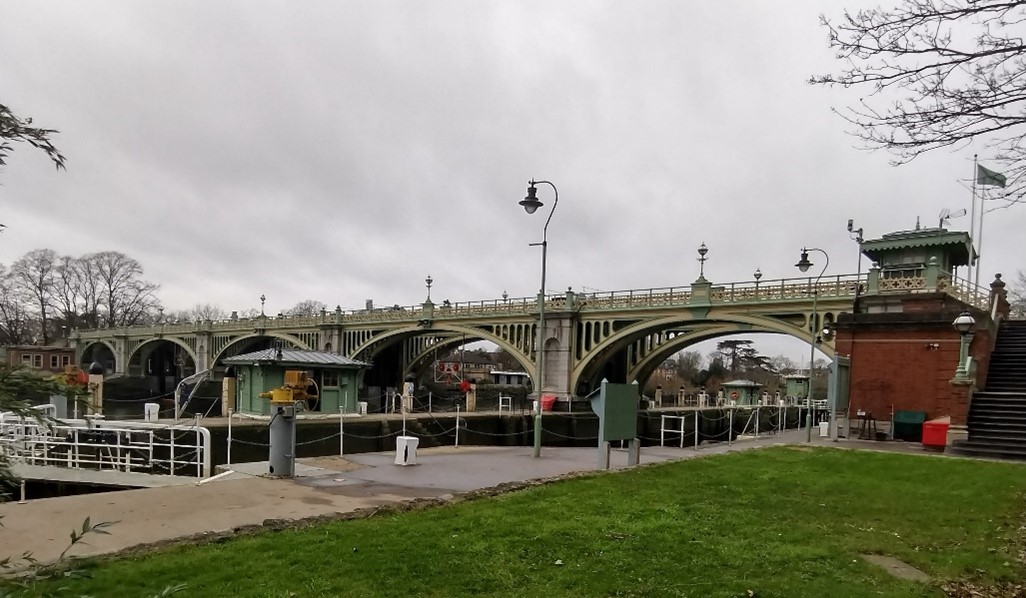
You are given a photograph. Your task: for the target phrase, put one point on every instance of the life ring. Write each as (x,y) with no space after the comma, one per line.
(734,395)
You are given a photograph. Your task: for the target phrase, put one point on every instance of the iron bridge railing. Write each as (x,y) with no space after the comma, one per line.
(746,292)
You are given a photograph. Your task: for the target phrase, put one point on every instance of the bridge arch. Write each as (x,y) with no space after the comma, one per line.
(701,328)
(264,335)
(88,349)
(367,350)
(170,339)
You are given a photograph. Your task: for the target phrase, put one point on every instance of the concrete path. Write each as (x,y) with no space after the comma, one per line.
(323,486)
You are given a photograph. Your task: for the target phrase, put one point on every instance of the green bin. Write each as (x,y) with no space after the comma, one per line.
(908,425)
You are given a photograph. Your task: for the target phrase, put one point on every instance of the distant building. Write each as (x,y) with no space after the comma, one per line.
(510,378)
(44,358)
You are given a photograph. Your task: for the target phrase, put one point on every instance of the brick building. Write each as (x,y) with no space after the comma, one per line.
(902,347)
(45,358)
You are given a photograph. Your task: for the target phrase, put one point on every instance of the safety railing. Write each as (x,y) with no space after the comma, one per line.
(132,447)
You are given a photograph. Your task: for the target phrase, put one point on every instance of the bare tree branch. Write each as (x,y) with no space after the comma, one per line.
(937,73)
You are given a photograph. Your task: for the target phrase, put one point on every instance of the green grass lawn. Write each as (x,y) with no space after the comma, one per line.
(778,522)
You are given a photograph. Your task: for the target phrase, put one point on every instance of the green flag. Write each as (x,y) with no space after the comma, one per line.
(989,177)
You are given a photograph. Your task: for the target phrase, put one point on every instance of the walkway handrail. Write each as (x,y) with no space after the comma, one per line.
(100,444)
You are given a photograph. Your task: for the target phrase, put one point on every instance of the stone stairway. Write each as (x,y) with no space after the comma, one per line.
(997,414)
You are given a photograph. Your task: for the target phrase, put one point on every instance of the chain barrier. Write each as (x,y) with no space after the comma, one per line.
(569,437)
(150,399)
(500,434)
(316,440)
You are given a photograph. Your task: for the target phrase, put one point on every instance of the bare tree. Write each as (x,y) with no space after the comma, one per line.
(67,291)
(90,290)
(1017,296)
(938,73)
(201,312)
(127,298)
(14,129)
(35,274)
(15,322)
(306,307)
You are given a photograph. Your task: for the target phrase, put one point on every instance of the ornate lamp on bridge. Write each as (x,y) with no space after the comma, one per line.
(531,205)
(804,264)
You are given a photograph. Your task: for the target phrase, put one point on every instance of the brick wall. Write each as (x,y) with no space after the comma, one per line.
(909,367)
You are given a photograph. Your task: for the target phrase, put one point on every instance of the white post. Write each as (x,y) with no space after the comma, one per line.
(697,413)
(730,425)
(341,431)
(457,425)
(22,501)
(757,422)
(229,437)
(662,429)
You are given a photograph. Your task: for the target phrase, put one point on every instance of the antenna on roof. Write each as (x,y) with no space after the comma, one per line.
(946,215)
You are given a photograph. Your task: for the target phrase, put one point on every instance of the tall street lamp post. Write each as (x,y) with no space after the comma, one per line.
(804,264)
(531,205)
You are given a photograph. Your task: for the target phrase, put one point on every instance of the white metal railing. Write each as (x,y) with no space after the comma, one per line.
(132,447)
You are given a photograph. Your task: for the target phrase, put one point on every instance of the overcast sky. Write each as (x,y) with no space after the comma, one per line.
(343,151)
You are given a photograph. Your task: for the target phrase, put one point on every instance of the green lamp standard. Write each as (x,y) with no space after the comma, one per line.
(804,264)
(964,324)
(531,205)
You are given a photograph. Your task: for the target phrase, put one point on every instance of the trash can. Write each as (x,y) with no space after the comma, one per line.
(406,450)
(824,429)
(908,425)
(935,433)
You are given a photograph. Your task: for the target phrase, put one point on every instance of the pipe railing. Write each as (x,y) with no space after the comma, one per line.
(132,447)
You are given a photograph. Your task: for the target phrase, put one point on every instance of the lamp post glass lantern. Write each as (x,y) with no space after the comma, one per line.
(964,324)
(702,250)
(803,265)
(531,203)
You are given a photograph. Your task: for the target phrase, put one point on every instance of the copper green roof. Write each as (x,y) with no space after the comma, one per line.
(956,243)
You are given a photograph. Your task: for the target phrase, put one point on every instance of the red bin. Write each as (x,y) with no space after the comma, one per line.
(547,401)
(935,432)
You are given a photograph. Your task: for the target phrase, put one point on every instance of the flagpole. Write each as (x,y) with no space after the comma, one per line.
(972,222)
(980,250)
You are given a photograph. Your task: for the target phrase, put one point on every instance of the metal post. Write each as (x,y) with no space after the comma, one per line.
(229,437)
(697,412)
(730,426)
(429,401)
(341,431)
(812,360)
(531,204)
(458,425)
(22,500)
(757,422)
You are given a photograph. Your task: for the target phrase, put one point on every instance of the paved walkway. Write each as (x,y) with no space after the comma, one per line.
(323,486)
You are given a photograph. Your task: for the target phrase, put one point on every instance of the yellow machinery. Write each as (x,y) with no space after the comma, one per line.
(293,391)
(282,457)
